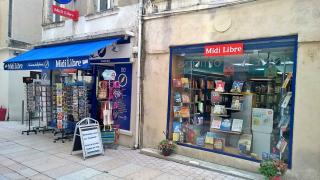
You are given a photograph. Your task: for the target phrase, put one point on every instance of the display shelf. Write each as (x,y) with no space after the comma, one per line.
(223,115)
(261,79)
(231,94)
(231,109)
(229,132)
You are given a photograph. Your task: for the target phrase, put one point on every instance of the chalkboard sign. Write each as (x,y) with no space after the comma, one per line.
(87,137)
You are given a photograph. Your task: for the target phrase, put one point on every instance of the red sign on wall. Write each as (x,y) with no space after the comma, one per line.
(74,15)
(223,50)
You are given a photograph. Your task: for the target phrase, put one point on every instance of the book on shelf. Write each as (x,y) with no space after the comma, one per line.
(286,81)
(200,107)
(209,138)
(236,102)
(176,126)
(216,123)
(219,143)
(202,84)
(237,125)
(215,97)
(177,111)
(177,97)
(282,144)
(185,98)
(219,86)
(210,84)
(185,83)
(218,109)
(244,143)
(185,112)
(226,124)
(237,86)
(197,119)
(177,82)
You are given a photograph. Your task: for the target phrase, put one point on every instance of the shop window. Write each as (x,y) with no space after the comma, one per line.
(234,98)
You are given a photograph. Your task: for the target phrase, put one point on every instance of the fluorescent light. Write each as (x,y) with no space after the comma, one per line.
(287,62)
(240,64)
(260,69)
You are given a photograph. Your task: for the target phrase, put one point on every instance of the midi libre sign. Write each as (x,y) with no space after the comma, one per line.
(223,50)
(74,15)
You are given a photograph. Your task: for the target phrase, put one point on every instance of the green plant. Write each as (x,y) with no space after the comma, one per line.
(167,147)
(272,168)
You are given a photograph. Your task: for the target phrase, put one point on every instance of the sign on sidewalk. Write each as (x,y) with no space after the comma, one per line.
(87,137)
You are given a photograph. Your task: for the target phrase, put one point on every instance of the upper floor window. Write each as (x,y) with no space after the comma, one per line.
(103,5)
(55,17)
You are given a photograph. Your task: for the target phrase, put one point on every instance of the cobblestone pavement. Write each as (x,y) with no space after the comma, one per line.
(37,157)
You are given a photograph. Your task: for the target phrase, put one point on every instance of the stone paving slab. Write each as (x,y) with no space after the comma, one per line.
(36,157)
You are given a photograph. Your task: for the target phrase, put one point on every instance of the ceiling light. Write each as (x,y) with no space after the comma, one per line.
(241,64)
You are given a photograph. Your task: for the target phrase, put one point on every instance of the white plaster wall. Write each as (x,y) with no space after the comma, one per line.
(26,20)
(125,18)
(4,78)
(263,18)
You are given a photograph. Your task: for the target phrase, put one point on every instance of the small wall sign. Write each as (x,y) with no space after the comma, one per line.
(74,15)
(223,50)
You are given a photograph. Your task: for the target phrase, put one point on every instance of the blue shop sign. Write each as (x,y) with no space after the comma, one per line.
(48,64)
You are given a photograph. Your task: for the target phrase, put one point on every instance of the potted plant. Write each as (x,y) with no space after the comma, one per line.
(167,147)
(273,169)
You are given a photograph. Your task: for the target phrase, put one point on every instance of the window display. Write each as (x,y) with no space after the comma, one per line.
(236,104)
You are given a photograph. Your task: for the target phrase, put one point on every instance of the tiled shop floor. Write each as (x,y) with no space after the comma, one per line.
(37,157)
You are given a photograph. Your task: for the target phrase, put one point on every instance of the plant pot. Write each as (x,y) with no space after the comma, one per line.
(275,178)
(166,152)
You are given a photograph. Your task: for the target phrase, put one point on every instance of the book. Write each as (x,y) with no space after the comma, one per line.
(244,143)
(176,127)
(177,97)
(185,112)
(282,144)
(209,138)
(185,98)
(216,123)
(219,143)
(219,86)
(177,82)
(226,125)
(185,82)
(215,97)
(177,111)
(237,125)
(236,102)
(210,85)
(237,86)
(175,136)
(286,81)
(218,109)
(200,141)
(197,119)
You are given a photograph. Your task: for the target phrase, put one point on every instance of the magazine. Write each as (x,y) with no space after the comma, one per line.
(185,83)
(215,97)
(236,102)
(237,125)
(177,97)
(185,112)
(226,125)
(177,82)
(185,98)
(177,111)
(237,87)
(216,123)
(219,86)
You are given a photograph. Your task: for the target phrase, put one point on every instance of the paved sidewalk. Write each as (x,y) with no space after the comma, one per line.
(37,157)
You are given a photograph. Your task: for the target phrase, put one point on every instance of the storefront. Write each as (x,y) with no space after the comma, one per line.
(278,38)
(70,85)
(234,98)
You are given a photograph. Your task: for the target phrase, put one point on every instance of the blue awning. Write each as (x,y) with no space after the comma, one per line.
(58,57)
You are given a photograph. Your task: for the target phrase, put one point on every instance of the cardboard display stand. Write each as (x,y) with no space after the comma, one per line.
(87,137)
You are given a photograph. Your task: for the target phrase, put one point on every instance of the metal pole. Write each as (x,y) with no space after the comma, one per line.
(22,119)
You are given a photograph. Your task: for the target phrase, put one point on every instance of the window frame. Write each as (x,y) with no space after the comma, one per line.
(110,5)
(292,41)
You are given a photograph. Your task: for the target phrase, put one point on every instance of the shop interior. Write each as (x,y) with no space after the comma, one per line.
(237,105)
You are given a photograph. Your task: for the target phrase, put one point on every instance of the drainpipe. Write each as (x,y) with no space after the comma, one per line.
(138,112)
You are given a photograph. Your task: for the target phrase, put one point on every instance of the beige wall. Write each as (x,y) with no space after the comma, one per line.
(3,22)
(263,18)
